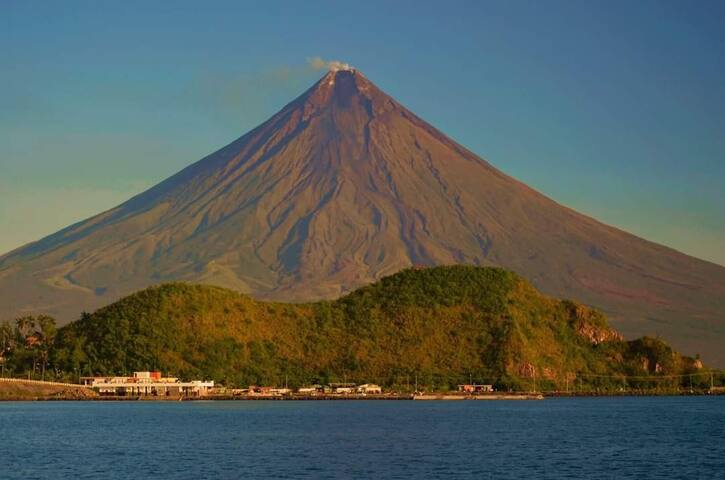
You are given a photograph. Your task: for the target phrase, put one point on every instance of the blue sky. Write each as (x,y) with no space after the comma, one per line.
(614,108)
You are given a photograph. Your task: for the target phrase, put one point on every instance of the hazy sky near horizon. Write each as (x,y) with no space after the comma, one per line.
(616,108)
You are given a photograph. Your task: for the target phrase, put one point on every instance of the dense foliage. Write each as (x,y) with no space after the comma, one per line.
(436,327)
(26,345)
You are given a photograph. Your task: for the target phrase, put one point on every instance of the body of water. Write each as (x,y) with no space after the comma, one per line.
(652,437)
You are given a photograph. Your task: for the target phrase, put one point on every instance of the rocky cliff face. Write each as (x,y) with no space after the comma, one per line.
(592,325)
(341,187)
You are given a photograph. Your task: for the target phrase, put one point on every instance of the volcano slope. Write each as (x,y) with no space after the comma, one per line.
(340,188)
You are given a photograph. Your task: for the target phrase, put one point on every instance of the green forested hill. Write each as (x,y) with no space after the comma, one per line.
(443,326)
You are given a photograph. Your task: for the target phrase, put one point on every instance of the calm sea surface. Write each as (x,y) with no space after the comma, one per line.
(554,438)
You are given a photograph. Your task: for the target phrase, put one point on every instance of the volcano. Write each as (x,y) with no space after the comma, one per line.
(344,186)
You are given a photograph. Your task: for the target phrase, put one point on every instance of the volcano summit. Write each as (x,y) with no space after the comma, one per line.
(341,187)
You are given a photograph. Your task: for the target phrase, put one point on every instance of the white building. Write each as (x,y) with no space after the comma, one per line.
(369,389)
(148,384)
(269,391)
(344,390)
(311,390)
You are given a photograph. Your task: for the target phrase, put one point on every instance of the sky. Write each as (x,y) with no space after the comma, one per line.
(614,108)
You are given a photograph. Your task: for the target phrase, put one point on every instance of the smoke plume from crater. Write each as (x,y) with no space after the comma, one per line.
(317,63)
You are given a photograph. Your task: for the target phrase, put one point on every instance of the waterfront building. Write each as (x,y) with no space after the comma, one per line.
(147,384)
(475,388)
(340,388)
(311,390)
(369,389)
(271,391)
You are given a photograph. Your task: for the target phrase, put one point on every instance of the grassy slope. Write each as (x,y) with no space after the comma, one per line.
(30,390)
(443,324)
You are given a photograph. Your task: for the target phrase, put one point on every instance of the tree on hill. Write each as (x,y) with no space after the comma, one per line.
(46,331)
(27,344)
(442,325)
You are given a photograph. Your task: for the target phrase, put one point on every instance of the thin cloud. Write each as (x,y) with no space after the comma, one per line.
(318,63)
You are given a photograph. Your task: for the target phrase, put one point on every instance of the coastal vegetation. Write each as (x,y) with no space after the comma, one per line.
(26,344)
(434,328)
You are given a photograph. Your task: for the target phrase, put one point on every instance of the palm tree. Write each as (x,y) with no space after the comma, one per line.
(6,343)
(24,329)
(46,337)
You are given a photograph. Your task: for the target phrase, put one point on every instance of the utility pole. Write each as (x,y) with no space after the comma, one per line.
(534,379)
(416,383)
(567,382)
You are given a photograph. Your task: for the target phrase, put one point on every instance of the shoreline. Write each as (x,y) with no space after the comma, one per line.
(508,396)
(18,390)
